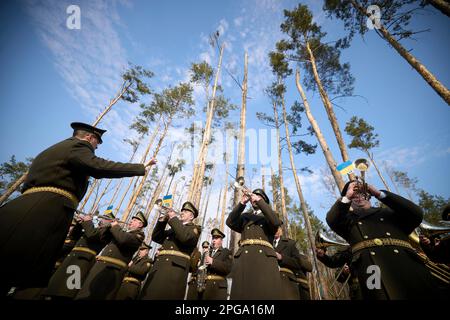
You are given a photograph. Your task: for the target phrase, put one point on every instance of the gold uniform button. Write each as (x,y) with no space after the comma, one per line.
(372,253)
(167,259)
(381,219)
(378,242)
(246,251)
(395,250)
(260,251)
(388,234)
(365,237)
(359,222)
(167,238)
(171,247)
(248,228)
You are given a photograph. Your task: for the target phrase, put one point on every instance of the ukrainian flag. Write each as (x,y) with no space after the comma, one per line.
(167,201)
(108,210)
(346,167)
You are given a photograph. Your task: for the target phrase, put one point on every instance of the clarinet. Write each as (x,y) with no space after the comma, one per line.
(202,272)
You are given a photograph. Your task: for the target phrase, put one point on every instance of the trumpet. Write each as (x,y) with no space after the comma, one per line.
(239,184)
(361,186)
(163,210)
(80,214)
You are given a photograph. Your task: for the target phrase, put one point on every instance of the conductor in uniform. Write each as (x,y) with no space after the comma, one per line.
(379,238)
(168,277)
(138,268)
(33,226)
(255,273)
(105,277)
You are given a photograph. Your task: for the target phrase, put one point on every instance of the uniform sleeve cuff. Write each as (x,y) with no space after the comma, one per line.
(382,195)
(345,200)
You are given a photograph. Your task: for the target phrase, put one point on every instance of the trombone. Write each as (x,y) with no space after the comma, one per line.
(323,242)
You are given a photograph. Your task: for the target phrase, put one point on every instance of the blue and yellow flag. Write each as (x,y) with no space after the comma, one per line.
(108,210)
(167,201)
(346,167)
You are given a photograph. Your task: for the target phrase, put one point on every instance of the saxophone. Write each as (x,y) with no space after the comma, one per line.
(202,272)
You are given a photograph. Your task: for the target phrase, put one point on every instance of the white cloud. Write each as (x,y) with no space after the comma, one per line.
(90,60)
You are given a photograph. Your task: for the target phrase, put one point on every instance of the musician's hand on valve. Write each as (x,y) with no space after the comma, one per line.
(171,213)
(279,256)
(114,223)
(351,190)
(424,240)
(87,218)
(320,252)
(373,191)
(245,198)
(208,261)
(255,197)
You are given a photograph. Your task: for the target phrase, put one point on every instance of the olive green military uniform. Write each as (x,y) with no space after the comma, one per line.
(131,284)
(105,277)
(216,282)
(289,265)
(302,277)
(255,271)
(33,226)
(82,255)
(168,276)
(338,260)
(192,293)
(403,275)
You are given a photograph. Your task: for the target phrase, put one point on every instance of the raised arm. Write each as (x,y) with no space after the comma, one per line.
(127,239)
(83,157)
(234,220)
(187,234)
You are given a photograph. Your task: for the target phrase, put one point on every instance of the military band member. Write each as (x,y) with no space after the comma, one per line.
(255,270)
(342,259)
(302,277)
(437,250)
(93,240)
(168,276)
(192,293)
(105,277)
(33,226)
(289,262)
(379,238)
(218,262)
(138,268)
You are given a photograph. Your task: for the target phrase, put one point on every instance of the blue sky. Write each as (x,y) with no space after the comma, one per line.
(51,76)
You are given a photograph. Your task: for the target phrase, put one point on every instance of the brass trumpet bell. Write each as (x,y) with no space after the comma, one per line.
(362,164)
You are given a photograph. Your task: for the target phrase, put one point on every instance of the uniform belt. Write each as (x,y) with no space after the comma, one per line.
(59,191)
(379,242)
(260,242)
(300,280)
(132,279)
(114,261)
(214,277)
(83,249)
(174,253)
(287,270)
